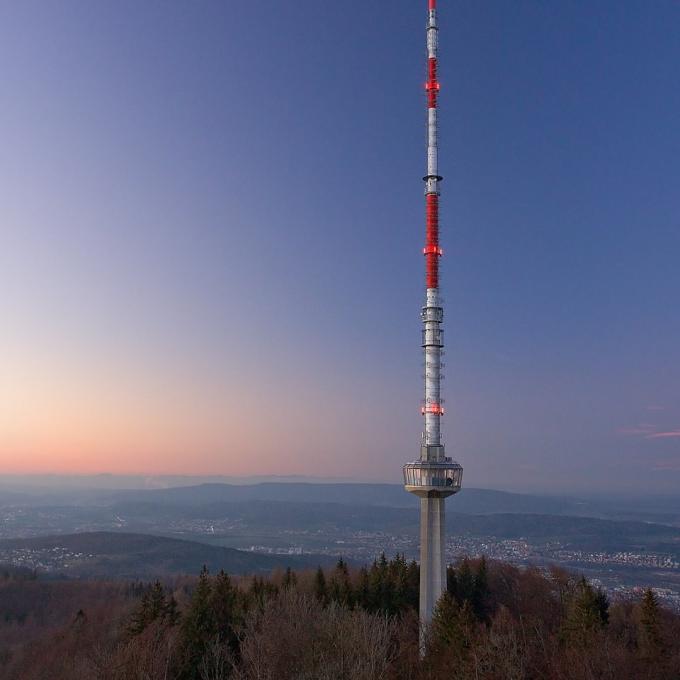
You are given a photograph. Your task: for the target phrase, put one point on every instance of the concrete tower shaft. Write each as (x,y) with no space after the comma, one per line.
(434,476)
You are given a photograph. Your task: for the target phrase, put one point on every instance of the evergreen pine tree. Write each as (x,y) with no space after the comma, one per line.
(374,587)
(649,633)
(340,587)
(383,586)
(363,594)
(480,594)
(156,601)
(80,620)
(397,574)
(465,582)
(223,604)
(452,581)
(444,630)
(602,605)
(140,618)
(171,613)
(585,614)
(289,578)
(452,630)
(226,612)
(260,591)
(197,628)
(413,585)
(154,606)
(320,590)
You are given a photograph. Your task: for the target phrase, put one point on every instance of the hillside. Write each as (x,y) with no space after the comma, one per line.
(256,518)
(123,555)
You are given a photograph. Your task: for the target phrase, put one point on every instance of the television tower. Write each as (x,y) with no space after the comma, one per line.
(434,476)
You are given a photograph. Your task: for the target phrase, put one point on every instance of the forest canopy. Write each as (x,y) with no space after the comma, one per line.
(495,621)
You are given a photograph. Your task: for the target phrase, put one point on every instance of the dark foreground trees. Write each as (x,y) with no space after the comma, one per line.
(495,622)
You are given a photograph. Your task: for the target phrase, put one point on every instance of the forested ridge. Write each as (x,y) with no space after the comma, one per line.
(495,622)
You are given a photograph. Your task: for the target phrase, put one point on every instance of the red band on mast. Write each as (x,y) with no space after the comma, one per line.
(432,250)
(432,86)
(433,4)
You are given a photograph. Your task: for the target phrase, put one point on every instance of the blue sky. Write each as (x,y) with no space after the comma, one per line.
(212,221)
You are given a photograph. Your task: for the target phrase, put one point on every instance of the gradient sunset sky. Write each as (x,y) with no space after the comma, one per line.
(211,229)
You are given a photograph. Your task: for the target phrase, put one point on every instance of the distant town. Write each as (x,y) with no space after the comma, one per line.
(622,573)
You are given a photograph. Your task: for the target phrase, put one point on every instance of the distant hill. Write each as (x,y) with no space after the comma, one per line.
(469,501)
(582,533)
(276,516)
(649,508)
(122,555)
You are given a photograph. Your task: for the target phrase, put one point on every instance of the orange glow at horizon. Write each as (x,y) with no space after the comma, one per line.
(66,417)
(61,415)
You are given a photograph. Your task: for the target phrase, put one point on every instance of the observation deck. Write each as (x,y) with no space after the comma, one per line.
(433,479)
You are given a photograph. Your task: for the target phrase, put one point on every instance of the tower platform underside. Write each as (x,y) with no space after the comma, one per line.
(433,479)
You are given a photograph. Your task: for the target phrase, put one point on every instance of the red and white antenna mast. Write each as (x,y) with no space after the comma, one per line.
(434,476)
(432,314)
